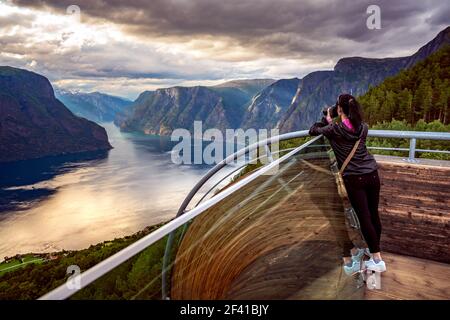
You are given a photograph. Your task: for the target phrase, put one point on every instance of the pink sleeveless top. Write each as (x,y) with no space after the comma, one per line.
(346,122)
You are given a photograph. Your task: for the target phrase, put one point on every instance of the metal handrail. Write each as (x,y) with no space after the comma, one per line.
(236,170)
(231,158)
(413,136)
(407,149)
(419,135)
(87,277)
(100,269)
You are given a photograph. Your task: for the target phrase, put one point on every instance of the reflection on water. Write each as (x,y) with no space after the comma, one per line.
(71,202)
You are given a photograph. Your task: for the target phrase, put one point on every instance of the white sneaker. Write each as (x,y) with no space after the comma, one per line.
(354,268)
(377,267)
(360,253)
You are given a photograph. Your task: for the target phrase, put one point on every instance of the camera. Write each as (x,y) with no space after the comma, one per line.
(333,111)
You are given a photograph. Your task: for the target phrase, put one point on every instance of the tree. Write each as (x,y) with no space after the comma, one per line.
(442,90)
(427,98)
(389,105)
(404,110)
(421,92)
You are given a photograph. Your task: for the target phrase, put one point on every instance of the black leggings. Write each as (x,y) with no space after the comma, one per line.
(364,194)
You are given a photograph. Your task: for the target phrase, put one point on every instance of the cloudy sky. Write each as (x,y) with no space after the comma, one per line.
(126,47)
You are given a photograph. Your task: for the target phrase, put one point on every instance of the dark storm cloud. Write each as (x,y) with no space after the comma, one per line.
(135,45)
(288,28)
(440,16)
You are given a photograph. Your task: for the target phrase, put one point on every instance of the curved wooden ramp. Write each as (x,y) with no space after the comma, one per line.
(280,237)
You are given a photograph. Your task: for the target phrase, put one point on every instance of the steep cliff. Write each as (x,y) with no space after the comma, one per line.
(270,104)
(34,124)
(161,111)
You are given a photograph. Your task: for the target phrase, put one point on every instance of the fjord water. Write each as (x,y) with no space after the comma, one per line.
(73,201)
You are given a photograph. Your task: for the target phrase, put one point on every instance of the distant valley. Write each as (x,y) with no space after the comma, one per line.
(95,106)
(36,121)
(289,104)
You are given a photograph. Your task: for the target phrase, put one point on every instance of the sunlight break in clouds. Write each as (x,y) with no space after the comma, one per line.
(126,47)
(81,56)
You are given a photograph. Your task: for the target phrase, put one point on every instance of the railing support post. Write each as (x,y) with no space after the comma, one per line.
(412,150)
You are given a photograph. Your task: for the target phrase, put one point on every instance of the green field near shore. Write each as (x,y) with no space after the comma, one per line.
(15,264)
(36,276)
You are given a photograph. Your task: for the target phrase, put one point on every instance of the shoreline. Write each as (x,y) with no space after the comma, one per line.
(26,281)
(55,255)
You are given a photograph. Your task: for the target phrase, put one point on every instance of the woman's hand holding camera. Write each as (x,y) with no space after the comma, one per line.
(329,118)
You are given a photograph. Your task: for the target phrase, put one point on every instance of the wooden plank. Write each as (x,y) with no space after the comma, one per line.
(412,278)
(415,209)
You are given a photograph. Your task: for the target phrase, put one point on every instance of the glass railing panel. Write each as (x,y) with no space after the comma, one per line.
(138,278)
(280,237)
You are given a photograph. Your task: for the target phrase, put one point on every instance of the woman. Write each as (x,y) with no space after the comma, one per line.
(360,177)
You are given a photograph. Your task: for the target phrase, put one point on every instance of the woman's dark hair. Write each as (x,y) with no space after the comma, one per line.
(351,108)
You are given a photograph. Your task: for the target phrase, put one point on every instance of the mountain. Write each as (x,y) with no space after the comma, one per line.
(161,111)
(321,88)
(237,96)
(355,75)
(95,106)
(434,45)
(270,104)
(34,124)
(420,92)
(248,86)
(289,104)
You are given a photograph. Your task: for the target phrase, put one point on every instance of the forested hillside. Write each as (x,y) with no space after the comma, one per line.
(422,92)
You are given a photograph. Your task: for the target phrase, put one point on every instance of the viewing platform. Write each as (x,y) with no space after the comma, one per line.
(278,232)
(278,235)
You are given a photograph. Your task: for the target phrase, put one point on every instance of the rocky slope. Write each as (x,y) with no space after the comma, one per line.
(161,111)
(270,104)
(34,124)
(95,106)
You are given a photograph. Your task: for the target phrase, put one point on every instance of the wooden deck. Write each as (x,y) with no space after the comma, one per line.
(410,278)
(280,237)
